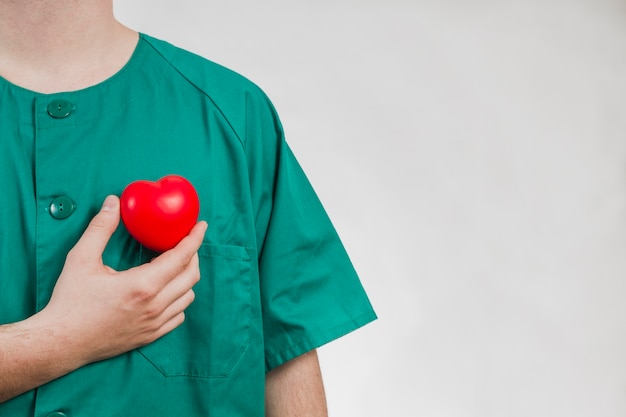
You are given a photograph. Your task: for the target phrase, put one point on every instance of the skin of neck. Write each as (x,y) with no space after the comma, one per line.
(61,45)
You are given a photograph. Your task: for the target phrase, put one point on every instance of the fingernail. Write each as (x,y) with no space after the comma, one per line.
(109,203)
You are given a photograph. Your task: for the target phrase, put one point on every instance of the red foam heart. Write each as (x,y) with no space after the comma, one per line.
(159,214)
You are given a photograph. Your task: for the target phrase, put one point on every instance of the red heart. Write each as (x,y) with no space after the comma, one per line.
(159,214)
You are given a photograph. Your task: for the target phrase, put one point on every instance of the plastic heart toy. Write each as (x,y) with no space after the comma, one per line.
(159,214)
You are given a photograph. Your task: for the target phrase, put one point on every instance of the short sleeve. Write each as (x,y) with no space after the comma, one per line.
(310,291)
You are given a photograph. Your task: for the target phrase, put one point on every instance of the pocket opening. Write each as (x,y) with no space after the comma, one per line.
(216,331)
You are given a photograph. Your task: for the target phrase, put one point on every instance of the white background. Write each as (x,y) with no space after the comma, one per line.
(472,156)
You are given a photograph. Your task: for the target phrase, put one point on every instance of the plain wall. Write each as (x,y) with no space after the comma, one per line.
(472,156)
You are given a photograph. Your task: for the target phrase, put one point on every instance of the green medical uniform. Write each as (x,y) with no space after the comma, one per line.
(276,281)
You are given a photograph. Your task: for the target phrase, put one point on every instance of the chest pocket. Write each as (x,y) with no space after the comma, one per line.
(216,330)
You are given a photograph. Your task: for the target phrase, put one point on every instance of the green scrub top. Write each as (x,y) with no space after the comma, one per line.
(276,281)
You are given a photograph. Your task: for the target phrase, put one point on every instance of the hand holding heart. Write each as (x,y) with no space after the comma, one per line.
(159,214)
(131,307)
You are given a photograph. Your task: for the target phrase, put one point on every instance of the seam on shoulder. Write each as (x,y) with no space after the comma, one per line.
(207,95)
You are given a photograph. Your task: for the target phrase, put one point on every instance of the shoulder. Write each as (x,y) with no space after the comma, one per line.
(232,93)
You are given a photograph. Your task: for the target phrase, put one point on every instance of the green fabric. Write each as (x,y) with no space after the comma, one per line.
(276,281)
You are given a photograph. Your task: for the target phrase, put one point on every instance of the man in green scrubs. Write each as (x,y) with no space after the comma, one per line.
(92,323)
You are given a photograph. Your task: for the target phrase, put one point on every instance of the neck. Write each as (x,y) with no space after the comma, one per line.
(61,45)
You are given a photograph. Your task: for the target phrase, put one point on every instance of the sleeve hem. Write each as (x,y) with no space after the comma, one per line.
(274,359)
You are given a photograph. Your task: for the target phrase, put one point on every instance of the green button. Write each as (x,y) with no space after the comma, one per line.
(60,108)
(56,414)
(62,208)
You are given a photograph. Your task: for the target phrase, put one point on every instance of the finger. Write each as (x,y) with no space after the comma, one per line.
(95,238)
(168,326)
(174,261)
(178,306)
(181,284)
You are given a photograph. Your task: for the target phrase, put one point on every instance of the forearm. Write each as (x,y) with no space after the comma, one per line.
(296,389)
(31,354)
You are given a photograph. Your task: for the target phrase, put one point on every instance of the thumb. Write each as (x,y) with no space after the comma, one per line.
(95,238)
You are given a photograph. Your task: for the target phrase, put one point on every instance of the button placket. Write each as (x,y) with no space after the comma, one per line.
(57,199)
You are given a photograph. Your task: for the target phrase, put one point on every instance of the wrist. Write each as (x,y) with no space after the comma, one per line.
(55,340)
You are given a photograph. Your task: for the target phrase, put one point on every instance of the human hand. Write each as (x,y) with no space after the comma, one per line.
(100,312)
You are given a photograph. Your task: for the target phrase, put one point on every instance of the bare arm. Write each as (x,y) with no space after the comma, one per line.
(97,313)
(295,389)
